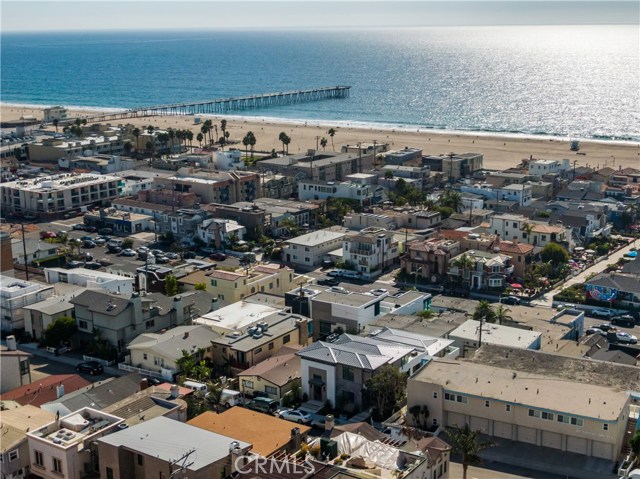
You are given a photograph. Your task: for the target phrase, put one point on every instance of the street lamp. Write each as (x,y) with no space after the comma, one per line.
(415,277)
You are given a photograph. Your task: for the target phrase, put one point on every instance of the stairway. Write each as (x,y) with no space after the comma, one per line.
(628,434)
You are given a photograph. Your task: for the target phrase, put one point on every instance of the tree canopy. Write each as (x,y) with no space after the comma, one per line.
(554,253)
(466,442)
(385,389)
(59,331)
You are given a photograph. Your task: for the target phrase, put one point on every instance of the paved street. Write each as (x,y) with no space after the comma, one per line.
(493,470)
(547,298)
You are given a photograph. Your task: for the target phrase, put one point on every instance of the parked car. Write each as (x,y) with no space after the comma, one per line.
(99,240)
(88,244)
(230,397)
(206,251)
(74,264)
(47,235)
(189,255)
(338,289)
(265,405)
(334,273)
(172,255)
(91,367)
(105,231)
(605,327)
(626,338)
(603,313)
(128,252)
(624,320)
(594,331)
(79,227)
(328,282)
(513,300)
(162,259)
(92,265)
(87,238)
(91,229)
(157,252)
(295,415)
(218,256)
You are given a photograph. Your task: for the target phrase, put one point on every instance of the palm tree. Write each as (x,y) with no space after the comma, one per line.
(484,311)
(467,443)
(287,140)
(463,262)
(527,228)
(252,141)
(281,138)
(452,199)
(215,127)
(246,142)
(188,134)
(180,137)
(200,137)
(323,143)
(204,129)
(150,129)
(502,314)
(136,132)
(332,133)
(171,134)
(223,128)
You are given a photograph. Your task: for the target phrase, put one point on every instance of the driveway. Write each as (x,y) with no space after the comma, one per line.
(547,298)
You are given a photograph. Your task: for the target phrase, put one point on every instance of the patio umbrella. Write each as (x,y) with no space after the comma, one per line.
(578,248)
(632,254)
(590,251)
(516,285)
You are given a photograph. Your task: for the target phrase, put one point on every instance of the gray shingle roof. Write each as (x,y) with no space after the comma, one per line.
(98,302)
(622,282)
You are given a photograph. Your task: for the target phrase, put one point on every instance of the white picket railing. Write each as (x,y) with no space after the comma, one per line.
(98,360)
(144,372)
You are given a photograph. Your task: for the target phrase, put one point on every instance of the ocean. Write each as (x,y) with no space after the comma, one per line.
(566,81)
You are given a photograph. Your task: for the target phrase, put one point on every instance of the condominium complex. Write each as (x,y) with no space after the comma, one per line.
(56,194)
(50,150)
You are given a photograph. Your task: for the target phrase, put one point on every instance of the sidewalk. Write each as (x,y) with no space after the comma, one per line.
(70,359)
(547,298)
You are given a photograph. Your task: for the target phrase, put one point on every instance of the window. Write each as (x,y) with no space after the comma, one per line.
(57,465)
(39,460)
(140,460)
(604,427)
(576,421)
(13,455)
(144,356)
(286,339)
(257,351)
(150,324)
(271,390)
(83,324)
(547,415)
(461,399)
(486,404)
(271,345)
(534,413)
(508,408)
(435,395)
(214,282)
(347,373)
(24,367)
(109,473)
(455,398)
(247,384)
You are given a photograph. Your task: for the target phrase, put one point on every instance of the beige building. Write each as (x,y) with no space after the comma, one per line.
(232,286)
(273,377)
(370,251)
(14,366)
(52,149)
(524,406)
(64,447)
(15,423)
(308,250)
(54,113)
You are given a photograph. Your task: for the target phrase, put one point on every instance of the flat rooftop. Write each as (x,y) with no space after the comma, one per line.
(495,334)
(617,377)
(59,182)
(316,238)
(236,316)
(526,388)
(177,439)
(348,299)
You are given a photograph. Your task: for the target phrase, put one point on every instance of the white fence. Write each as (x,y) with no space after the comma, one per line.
(98,360)
(144,372)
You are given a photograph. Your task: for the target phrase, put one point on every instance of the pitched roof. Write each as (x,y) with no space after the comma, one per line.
(100,302)
(15,423)
(171,343)
(278,370)
(515,247)
(44,390)
(539,228)
(266,433)
(623,282)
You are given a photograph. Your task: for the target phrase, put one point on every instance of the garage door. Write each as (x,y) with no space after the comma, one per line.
(502,429)
(455,419)
(480,423)
(576,444)
(603,450)
(526,434)
(551,439)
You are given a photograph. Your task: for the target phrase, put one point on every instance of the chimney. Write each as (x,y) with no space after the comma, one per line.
(303,331)
(329,422)
(174,391)
(179,309)
(296,439)
(11,343)
(186,335)
(237,459)
(144,384)
(215,304)
(59,391)
(136,300)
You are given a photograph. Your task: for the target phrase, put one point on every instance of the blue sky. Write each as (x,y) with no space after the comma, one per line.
(27,15)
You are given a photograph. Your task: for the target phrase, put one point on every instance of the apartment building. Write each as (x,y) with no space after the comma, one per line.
(370,251)
(54,113)
(91,279)
(396,218)
(57,194)
(253,218)
(38,316)
(64,447)
(277,211)
(320,166)
(455,166)
(405,155)
(15,294)
(429,260)
(50,150)
(523,406)
(220,232)
(364,193)
(232,286)
(520,194)
(309,250)
(134,452)
(539,168)
(224,187)
(121,222)
(274,377)
(104,164)
(480,270)
(14,366)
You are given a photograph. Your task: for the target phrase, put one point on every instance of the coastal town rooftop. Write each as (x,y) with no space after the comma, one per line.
(237,316)
(59,182)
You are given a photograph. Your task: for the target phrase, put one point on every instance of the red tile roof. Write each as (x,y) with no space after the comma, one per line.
(39,392)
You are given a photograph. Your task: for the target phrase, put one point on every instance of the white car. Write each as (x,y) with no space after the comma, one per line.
(295,415)
(128,252)
(602,313)
(626,338)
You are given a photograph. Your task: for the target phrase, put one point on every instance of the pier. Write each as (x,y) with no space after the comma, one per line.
(224,105)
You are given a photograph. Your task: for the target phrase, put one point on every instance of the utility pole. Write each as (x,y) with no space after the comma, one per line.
(181,470)
(359,157)
(24,250)
(317,144)
(375,143)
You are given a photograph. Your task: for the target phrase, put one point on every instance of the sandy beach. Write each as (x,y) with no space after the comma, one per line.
(500,152)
